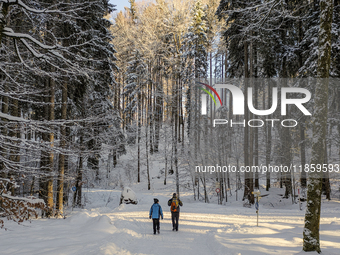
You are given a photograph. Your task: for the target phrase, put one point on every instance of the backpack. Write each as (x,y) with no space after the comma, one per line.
(174,205)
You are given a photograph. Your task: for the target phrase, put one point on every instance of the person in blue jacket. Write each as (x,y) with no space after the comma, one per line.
(155,213)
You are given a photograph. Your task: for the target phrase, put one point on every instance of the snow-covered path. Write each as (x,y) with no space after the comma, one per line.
(223,233)
(195,235)
(104,228)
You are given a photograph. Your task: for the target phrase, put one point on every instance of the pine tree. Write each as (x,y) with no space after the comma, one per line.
(133,91)
(61,59)
(311,239)
(194,57)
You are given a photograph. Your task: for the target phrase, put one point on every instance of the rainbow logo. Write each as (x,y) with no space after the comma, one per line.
(213,90)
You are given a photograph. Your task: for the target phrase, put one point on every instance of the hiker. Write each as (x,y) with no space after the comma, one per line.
(174,204)
(155,213)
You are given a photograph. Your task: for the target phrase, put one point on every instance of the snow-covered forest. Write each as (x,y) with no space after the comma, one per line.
(94,102)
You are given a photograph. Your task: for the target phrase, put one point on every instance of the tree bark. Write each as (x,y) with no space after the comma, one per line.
(311,239)
(146,142)
(248,178)
(139,116)
(4,12)
(303,178)
(60,184)
(269,138)
(50,203)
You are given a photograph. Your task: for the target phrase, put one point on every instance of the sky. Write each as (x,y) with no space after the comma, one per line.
(120,4)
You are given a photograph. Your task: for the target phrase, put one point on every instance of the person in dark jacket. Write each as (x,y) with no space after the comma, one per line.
(174,204)
(155,213)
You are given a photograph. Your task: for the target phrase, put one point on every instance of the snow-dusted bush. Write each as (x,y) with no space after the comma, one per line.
(128,196)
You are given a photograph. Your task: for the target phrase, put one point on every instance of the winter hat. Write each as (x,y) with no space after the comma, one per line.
(155,200)
(174,195)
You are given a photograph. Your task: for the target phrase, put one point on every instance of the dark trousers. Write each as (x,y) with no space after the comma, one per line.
(174,218)
(155,225)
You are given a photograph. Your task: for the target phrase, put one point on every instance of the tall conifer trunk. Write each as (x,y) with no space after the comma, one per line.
(60,184)
(311,239)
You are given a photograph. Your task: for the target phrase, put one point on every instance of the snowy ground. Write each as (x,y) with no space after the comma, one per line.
(103,227)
